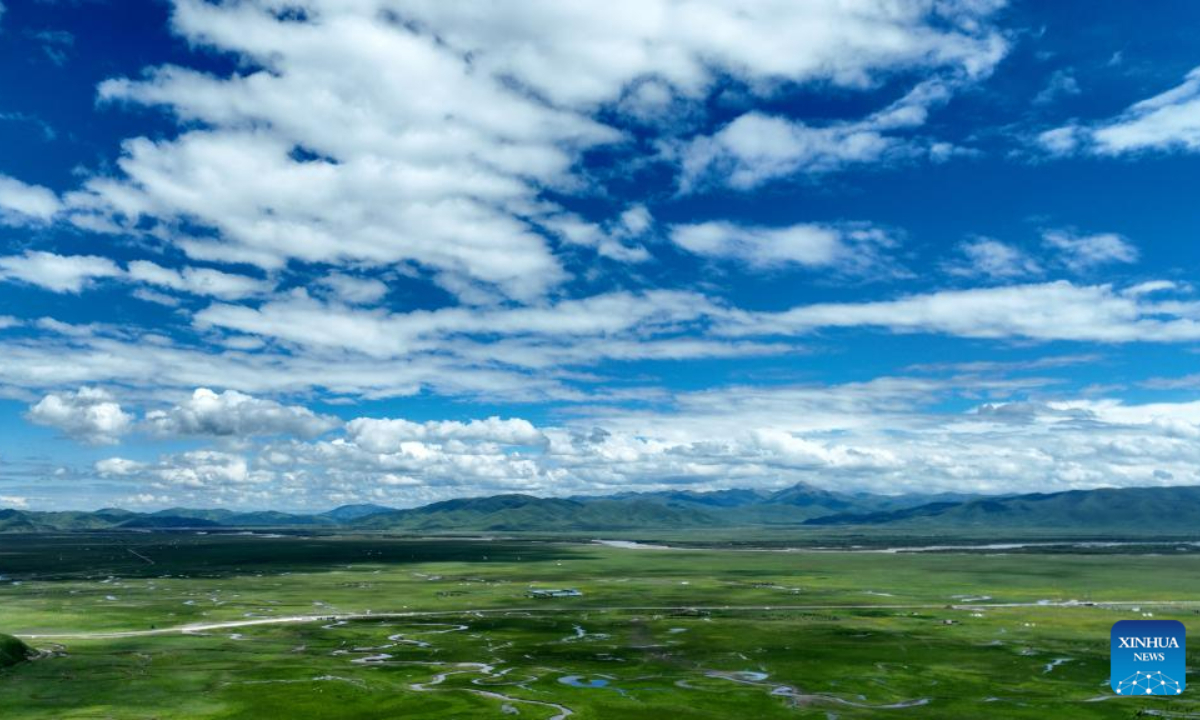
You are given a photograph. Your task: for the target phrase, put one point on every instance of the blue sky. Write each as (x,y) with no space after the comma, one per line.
(294,255)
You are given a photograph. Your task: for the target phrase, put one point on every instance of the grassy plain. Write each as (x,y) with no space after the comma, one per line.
(443,628)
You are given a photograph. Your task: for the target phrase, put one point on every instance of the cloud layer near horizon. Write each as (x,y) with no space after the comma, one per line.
(880,436)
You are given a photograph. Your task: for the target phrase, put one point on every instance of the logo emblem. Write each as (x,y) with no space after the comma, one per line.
(1148,657)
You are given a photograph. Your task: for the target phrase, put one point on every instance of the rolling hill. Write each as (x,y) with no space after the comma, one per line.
(1132,510)
(501,513)
(348,513)
(13,651)
(788,506)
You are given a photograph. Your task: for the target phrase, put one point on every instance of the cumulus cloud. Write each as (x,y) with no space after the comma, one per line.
(619,239)
(756,148)
(201,470)
(383,435)
(587,54)
(21,203)
(993,260)
(853,248)
(91,415)
(1081,253)
(12,501)
(1166,122)
(1060,141)
(235,414)
(198,281)
(57,273)
(1168,416)
(377,134)
(118,466)
(882,435)
(1078,253)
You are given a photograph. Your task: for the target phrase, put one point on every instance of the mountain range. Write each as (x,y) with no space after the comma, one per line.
(1157,510)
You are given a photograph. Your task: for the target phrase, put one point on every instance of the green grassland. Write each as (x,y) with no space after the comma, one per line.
(445,629)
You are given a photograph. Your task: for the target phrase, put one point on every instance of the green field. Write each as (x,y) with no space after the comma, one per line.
(374,627)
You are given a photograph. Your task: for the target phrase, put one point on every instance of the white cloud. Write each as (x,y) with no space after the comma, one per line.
(57,273)
(1166,122)
(434,178)
(756,148)
(884,436)
(1152,286)
(238,415)
(1062,140)
(12,501)
(198,281)
(995,260)
(540,353)
(335,212)
(70,354)
(586,54)
(308,322)
(390,435)
(618,240)
(153,296)
(848,247)
(1062,83)
(1081,253)
(21,203)
(1047,311)
(91,415)
(1168,416)
(203,469)
(992,259)
(118,466)
(75,273)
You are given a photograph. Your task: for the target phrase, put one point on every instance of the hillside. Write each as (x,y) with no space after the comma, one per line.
(1161,510)
(16,521)
(348,513)
(502,513)
(789,506)
(29,521)
(13,651)
(167,522)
